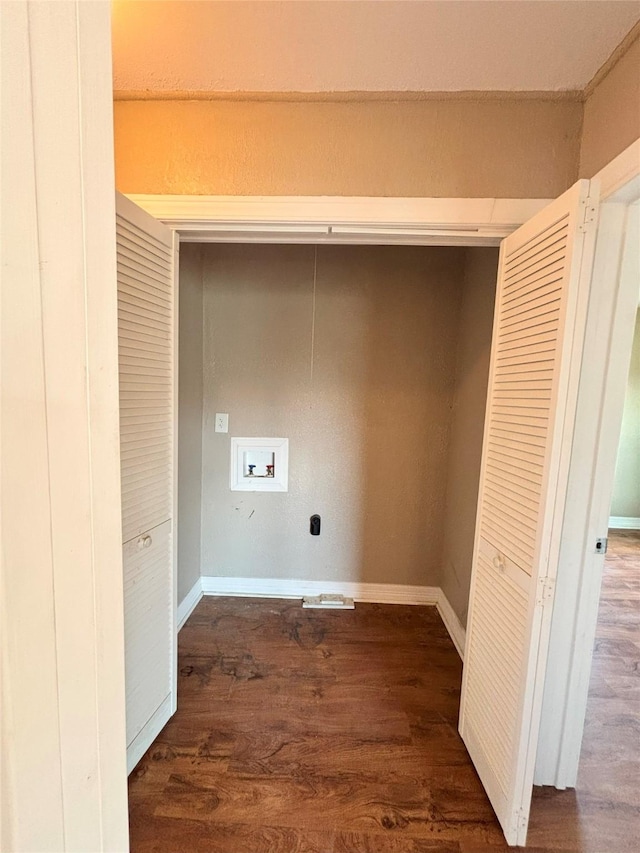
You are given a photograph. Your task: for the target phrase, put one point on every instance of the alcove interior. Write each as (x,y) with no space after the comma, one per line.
(373,362)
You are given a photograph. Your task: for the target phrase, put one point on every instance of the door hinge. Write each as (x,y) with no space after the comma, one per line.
(588,213)
(546,588)
(601,545)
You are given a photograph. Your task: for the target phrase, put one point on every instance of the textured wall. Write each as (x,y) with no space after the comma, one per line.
(359,376)
(482,148)
(467,425)
(189,417)
(626,491)
(612,114)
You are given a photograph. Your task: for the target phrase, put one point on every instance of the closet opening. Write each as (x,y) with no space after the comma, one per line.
(373,362)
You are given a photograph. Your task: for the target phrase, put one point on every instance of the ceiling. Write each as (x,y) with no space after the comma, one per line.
(365,45)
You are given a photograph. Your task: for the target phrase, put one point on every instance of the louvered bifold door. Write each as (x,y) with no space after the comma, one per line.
(146,334)
(543,282)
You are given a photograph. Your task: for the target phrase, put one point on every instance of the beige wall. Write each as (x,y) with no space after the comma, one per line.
(612,114)
(516,148)
(467,424)
(625,502)
(360,378)
(190,365)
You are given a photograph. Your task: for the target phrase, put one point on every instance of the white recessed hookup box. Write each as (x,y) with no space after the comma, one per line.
(259,465)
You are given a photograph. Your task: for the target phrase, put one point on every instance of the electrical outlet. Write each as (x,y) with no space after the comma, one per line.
(222,422)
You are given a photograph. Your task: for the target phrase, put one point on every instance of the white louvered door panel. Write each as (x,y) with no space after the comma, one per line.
(146,334)
(147,641)
(543,283)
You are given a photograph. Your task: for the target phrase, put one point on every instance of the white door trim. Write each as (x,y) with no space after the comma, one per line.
(610,323)
(341,219)
(175,627)
(62,692)
(620,178)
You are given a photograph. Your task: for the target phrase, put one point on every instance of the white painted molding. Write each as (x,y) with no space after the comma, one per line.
(621,522)
(378,593)
(452,623)
(62,731)
(620,178)
(338,219)
(188,603)
(603,381)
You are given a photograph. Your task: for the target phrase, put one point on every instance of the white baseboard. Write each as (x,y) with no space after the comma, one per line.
(146,736)
(379,593)
(621,522)
(452,623)
(188,603)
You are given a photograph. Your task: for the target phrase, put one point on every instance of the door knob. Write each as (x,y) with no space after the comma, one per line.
(144,542)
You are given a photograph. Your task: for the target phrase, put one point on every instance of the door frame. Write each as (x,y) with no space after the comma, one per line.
(485,222)
(346,220)
(62,720)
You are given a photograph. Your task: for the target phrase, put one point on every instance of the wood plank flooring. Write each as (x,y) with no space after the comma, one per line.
(307,731)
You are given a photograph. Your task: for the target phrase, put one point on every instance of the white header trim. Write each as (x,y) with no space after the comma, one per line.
(620,178)
(341,219)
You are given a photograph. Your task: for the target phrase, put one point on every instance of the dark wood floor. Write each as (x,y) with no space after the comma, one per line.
(302,731)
